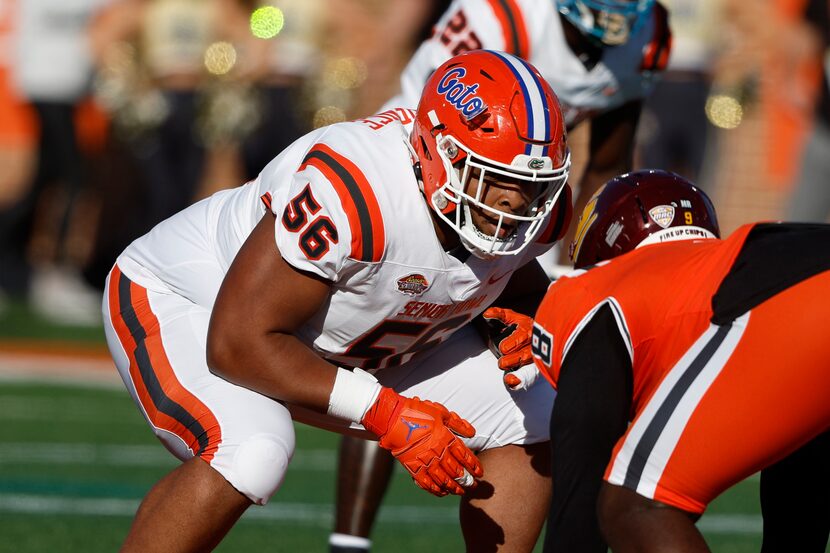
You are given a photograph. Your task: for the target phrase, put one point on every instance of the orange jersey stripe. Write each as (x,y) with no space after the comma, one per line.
(167,403)
(513,27)
(357,198)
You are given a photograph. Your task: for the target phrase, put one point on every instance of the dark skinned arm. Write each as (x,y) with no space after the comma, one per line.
(250,341)
(261,303)
(590,414)
(525,289)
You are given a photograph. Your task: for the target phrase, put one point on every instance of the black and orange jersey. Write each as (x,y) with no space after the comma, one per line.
(673,348)
(663,296)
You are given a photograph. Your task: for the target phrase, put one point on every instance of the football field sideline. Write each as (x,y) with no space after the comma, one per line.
(75,453)
(305,460)
(318,514)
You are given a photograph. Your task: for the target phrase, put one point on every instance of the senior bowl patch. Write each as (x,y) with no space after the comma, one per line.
(663,215)
(412,285)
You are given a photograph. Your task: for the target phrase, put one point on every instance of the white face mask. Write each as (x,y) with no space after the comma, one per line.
(526,227)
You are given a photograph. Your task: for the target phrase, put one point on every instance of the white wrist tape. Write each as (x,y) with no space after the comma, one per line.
(354,392)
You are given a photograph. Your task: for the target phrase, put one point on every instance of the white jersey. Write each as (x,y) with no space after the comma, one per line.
(348,209)
(532,29)
(52,60)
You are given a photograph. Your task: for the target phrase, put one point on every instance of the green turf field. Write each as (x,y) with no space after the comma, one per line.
(75,461)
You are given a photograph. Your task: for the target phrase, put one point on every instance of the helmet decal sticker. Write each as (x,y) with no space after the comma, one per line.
(460,96)
(663,215)
(614,231)
(586,219)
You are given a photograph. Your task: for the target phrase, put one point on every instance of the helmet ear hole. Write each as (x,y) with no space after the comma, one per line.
(425,148)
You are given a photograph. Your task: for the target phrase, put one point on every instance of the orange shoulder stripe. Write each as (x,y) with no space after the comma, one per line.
(357,198)
(511,19)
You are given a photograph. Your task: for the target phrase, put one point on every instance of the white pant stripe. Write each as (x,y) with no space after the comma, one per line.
(667,433)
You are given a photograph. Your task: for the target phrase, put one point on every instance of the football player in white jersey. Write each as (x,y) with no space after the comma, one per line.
(337,289)
(601,58)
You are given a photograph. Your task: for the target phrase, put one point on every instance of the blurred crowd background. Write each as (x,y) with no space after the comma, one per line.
(115,114)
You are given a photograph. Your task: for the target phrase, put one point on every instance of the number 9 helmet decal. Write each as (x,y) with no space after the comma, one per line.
(490,115)
(641,208)
(610,22)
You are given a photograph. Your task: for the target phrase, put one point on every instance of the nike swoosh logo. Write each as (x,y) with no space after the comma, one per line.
(494,279)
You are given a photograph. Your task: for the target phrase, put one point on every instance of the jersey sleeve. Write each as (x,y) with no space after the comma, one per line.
(547,333)
(589,416)
(564,313)
(331,216)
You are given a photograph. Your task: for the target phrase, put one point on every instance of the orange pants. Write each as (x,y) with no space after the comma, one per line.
(744,397)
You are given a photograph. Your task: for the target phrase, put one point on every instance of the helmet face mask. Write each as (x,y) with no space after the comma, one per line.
(515,136)
(464,192)
(608,22)
(641,208)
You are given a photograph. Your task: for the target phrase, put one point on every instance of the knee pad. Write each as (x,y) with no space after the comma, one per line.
(259,466)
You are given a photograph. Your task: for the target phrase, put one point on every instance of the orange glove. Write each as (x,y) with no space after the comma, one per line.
(510,334)
(423,436)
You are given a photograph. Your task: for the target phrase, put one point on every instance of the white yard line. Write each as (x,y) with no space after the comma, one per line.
(97,372)
(24,453)
(307,512)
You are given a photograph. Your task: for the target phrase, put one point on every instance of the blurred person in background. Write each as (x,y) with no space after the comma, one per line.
(601,58)
(674,132)
(160,57)
(392,30)
(49,226)
(293,30)
(811,196)
(18,159)
(176,77)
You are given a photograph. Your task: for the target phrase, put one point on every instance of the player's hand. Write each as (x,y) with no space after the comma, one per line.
(510,334)
(423,436)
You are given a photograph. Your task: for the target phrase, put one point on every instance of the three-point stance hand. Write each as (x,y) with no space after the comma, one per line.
(510,335)
(423,436)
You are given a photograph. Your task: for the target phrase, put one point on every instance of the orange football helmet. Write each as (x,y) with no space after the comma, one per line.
(489,113)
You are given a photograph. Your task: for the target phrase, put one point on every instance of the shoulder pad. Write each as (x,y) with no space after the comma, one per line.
(512,22)
(357,199)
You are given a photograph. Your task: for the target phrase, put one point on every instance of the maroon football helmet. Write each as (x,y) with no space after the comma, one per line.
(638,208)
